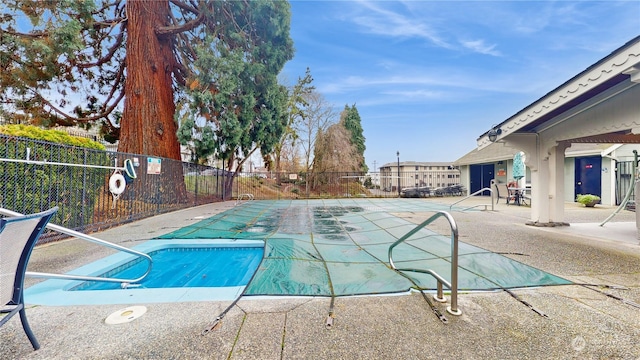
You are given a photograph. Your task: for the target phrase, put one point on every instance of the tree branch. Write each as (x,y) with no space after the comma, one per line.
(116,45)
(26,35)
(164,31)
(184,6)
(119,78)
(107,23)
(106,6)
(66,116)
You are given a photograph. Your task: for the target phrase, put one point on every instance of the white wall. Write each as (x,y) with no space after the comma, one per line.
(465,178)
(569,179)
(608,187)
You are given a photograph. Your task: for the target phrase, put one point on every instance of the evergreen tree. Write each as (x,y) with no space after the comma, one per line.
(350,119)
(235,91)
(125,63)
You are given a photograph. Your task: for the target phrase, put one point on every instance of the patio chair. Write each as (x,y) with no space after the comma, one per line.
(510,195)
(18,236)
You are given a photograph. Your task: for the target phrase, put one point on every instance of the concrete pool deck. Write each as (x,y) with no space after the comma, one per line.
(580,323)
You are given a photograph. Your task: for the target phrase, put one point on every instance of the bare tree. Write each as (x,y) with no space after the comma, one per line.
(296,112)
(334,155)
(289,157)
(319,115)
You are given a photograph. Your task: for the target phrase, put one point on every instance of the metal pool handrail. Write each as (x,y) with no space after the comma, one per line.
(92,239)
(474,194)
(453,285)
(249,197)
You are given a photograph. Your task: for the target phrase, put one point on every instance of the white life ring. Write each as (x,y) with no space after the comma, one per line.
(117,184)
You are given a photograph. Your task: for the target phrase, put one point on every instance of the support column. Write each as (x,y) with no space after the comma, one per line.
(556,184)
(542,194)
(537,162)
(545,160)
(535,196)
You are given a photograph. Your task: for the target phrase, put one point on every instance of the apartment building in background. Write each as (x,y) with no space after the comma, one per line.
(418,174)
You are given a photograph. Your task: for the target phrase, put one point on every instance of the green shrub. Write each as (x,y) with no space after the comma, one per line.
(53,136)
(587,199)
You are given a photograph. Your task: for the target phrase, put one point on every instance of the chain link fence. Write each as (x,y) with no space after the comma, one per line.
(37,175)
(330,185)
(302,185)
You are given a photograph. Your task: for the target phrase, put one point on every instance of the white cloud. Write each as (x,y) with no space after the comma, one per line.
(432,82)
(354,83)
(413,21)
(419,94)
(381,21)
(480,47)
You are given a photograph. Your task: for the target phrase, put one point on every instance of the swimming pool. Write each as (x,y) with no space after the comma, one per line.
(215,269)
(318,248)
(186,266)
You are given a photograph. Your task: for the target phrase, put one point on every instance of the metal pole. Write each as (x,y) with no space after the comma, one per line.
(398,154)
(92,239)
(224,180)
(196,184)
(32,162)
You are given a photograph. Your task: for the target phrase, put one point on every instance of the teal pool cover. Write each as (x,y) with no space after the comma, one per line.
(340,247)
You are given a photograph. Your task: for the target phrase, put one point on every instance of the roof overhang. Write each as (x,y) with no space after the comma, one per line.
(613,74)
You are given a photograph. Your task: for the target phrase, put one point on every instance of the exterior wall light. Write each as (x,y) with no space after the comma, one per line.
(494,133)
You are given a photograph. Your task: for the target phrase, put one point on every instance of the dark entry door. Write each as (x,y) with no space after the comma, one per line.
(588,175)
(480,177)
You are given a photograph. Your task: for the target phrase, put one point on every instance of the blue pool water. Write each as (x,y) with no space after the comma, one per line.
(187,267)
(202,260)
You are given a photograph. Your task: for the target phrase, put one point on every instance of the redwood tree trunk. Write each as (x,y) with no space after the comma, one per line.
(149,105)
(147,125)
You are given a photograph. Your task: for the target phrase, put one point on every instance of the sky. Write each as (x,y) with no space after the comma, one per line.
(429,77)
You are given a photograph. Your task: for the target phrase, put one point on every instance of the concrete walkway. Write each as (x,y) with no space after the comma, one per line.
(579,322)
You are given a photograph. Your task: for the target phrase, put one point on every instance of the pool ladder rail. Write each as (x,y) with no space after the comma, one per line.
(474,194)
(453,285)
(249,197)
(125,283)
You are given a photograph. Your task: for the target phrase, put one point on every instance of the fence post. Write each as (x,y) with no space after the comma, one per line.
(84,189)
(196,185)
